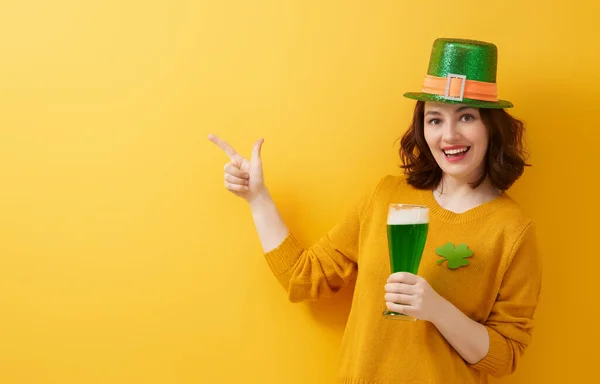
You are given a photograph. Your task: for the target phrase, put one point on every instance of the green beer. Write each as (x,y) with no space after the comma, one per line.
(407,228)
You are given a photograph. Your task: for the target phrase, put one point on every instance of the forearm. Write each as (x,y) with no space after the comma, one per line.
(468,337)
(268,222)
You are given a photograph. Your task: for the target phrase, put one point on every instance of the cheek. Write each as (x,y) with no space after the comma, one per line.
(484,141)
(480,137)
(429,139)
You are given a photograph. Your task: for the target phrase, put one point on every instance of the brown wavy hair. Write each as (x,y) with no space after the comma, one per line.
(505,159)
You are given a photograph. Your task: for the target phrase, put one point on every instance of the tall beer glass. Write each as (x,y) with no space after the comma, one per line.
(407,227)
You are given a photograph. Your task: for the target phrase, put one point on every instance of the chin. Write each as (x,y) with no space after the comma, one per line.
(464,171)
(460,174)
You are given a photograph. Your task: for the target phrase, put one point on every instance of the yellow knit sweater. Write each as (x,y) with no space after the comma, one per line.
(499,288)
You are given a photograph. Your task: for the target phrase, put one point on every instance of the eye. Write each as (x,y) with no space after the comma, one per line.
(467,117)
(434,121)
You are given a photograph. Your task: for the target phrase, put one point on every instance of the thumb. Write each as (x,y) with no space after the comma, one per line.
(256,151)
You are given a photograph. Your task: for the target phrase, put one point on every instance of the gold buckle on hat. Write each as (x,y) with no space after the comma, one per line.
(462,87)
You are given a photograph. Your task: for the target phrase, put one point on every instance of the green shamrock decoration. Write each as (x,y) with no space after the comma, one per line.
(456,256)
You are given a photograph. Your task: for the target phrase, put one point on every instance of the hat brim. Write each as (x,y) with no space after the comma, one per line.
(471,102)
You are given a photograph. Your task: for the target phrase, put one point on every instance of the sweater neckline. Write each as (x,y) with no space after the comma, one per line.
(480,211)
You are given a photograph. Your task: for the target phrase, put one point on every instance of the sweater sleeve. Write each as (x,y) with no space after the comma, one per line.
(322,269)
(510,323)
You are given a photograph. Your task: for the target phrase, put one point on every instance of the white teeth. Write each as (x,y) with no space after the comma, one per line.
(455,151)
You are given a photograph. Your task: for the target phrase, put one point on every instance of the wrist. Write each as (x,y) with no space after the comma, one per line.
(443,312)
(260,200)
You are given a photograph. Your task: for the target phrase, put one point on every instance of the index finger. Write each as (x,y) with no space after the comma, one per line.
(228,149)
(403,277)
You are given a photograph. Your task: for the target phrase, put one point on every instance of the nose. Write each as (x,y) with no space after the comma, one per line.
(450,133)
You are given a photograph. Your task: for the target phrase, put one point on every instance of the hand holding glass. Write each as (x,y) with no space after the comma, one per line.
(407,227)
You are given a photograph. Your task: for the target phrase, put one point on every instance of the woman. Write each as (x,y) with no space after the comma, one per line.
(460,154)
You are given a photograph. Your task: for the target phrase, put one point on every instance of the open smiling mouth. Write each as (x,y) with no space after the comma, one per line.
(456,152)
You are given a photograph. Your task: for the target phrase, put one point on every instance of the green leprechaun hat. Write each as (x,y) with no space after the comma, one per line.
(462,71)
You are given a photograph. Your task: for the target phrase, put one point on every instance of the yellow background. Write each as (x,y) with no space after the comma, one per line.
(123,259)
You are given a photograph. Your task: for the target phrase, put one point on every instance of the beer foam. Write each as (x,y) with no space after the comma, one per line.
(408,216)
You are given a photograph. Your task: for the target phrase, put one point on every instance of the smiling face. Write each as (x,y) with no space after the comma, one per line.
(457,138)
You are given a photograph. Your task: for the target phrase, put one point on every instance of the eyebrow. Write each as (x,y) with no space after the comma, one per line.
(458,110)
